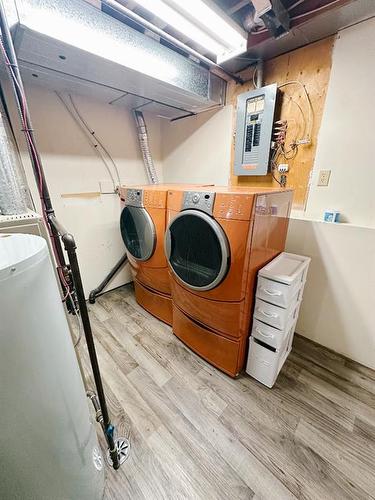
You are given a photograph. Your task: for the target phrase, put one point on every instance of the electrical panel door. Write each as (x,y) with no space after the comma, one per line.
(255,117)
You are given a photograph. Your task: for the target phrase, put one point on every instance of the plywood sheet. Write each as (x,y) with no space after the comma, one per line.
(311,65)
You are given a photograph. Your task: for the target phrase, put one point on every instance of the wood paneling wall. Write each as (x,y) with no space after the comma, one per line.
(311,65)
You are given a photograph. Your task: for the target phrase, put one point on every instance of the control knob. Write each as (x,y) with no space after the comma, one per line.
(195,198)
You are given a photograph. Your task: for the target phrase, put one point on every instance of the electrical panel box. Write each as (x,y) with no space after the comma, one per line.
(255,118)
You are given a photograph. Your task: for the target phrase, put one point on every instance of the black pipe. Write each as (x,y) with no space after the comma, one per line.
(70,247)
(56,229)
(19,92)
(98,412)
(94,293)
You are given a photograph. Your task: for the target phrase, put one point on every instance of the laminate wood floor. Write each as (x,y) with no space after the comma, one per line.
(197,434)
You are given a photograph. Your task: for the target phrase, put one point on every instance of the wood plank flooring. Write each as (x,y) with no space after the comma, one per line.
(197,434)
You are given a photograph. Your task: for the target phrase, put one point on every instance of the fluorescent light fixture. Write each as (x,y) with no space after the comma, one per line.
(195,19)
(85,38)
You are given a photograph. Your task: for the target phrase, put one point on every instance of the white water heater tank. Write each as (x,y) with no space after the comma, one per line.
(48,444)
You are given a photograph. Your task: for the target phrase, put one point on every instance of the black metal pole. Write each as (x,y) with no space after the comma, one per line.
(56,230)
(115,269)
(70,247)
(25,115)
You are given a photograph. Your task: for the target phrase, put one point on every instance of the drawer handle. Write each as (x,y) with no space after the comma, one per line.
(269,315)
(270,292)
(266,335)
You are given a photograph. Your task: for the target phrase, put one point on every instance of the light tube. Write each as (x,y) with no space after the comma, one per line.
(206,16)
(201,24)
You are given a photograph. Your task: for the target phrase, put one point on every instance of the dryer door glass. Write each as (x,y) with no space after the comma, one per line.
(138,232)
(197,249)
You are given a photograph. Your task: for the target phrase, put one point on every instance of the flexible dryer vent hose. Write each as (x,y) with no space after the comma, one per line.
(13,191)
(145,147)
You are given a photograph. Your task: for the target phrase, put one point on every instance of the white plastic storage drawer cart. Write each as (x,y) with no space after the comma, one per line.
(278,299)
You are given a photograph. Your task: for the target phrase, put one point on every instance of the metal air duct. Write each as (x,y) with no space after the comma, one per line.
(145,147)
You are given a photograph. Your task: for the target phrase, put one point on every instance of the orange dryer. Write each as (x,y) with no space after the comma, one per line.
(215,243)
(142,224)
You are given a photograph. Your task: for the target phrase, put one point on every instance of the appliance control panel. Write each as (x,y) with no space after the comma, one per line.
(154,199)
(134,197)
(232,206)
(199,200)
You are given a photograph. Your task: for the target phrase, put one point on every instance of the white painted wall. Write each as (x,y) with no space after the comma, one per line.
(338,304)
(339,295)
(346,137)
(71,166)
(339,298)
(197,149)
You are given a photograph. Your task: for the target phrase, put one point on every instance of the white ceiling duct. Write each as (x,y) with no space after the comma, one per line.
(69,45)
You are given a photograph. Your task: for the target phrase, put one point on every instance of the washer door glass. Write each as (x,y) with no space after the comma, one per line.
(197,249)
(138,232)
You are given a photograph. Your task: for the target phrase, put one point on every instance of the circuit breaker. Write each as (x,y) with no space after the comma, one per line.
(255,118)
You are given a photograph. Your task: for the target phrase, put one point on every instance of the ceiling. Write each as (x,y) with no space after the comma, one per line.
(310,20)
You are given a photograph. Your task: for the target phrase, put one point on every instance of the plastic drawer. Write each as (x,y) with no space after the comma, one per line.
(270,335)
(287,268)
(274,315)
(264,364)
(278,293)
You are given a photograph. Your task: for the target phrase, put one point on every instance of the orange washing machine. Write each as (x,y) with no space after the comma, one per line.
(142,224)
(215,243)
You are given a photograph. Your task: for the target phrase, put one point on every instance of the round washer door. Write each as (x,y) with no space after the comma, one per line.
(197,250)
(138,232)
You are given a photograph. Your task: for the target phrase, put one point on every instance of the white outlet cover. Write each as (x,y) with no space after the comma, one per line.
(323,177)
(283,168)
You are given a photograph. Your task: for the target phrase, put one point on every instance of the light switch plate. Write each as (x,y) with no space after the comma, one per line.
(323,179)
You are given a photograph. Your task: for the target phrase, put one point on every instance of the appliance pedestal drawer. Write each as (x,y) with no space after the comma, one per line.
(227,355)
(157,304)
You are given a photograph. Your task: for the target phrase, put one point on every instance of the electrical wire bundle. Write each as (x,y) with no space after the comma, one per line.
(280,133)
(257,31)
(278,138)
(307,132)
(98,146)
